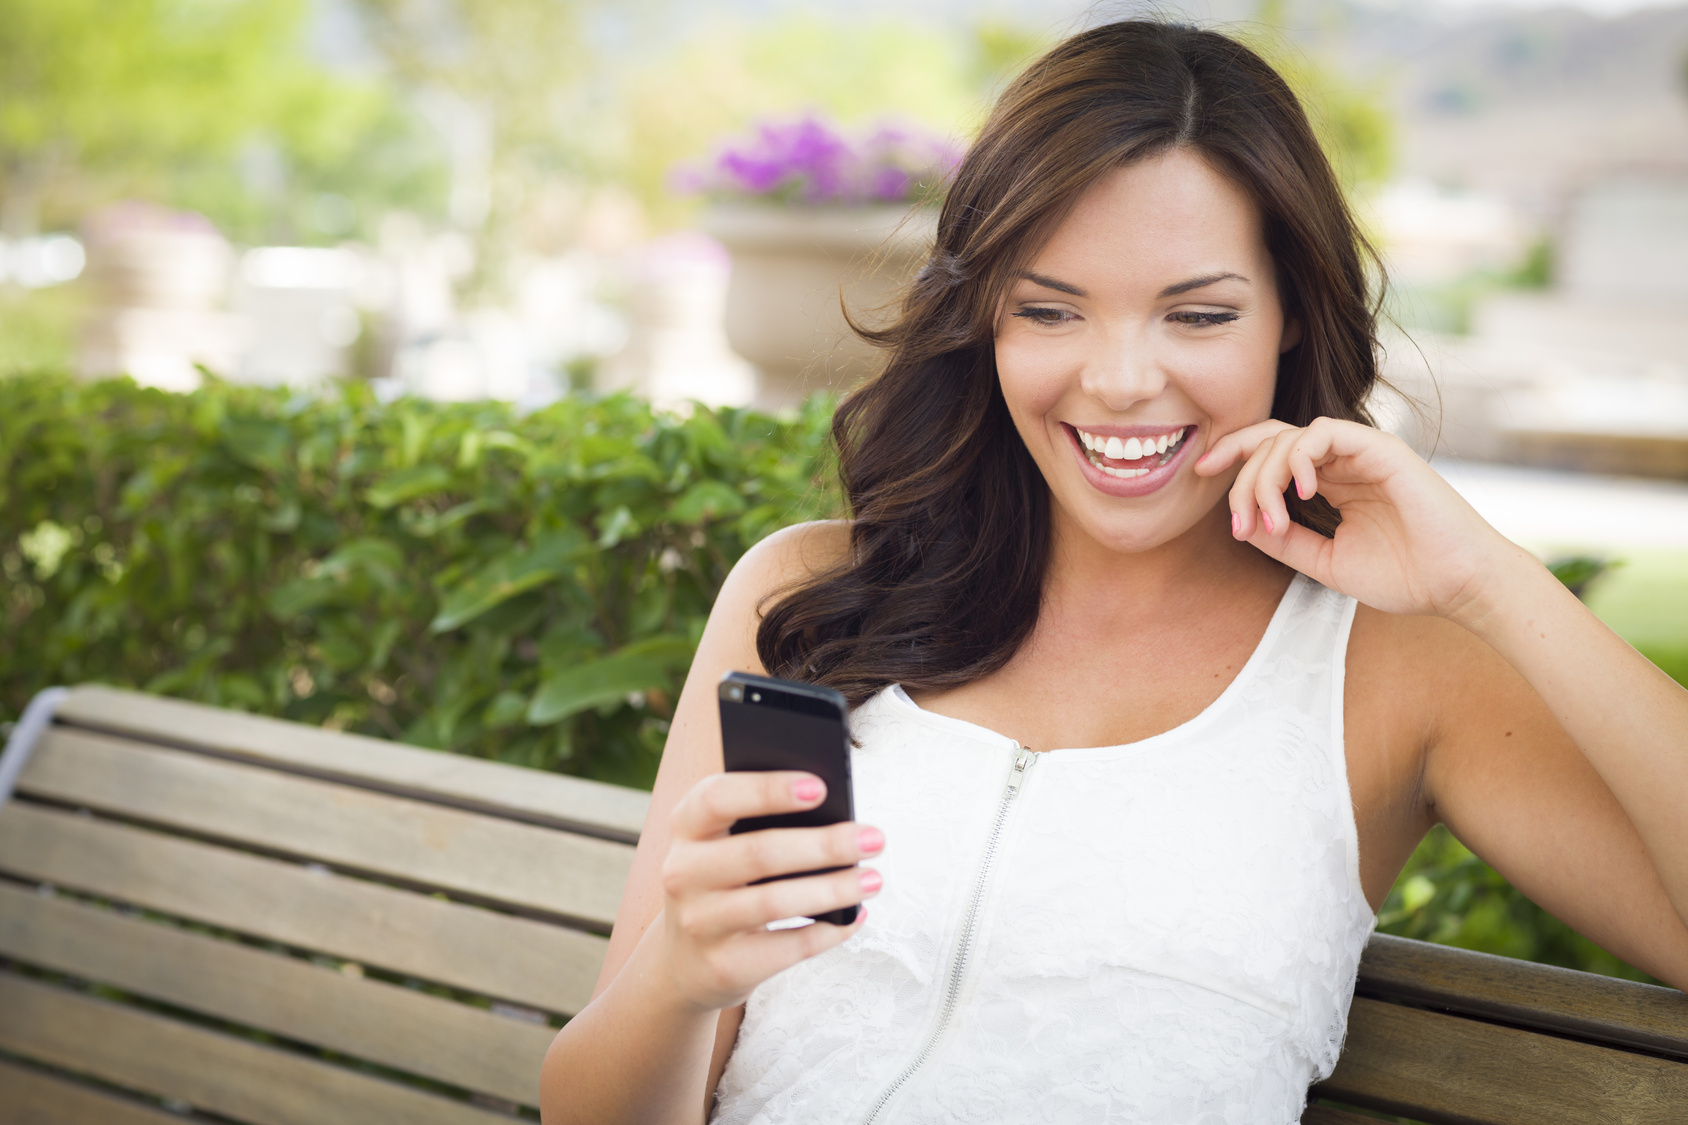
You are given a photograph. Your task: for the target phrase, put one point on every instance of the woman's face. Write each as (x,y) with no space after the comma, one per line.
(1148,327)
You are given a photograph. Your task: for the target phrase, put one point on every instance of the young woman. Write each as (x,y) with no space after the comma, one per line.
(1144,326)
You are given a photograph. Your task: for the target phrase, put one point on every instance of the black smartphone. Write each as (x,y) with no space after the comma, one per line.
(771,724)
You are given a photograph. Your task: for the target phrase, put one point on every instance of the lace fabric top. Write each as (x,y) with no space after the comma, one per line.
(1161,932)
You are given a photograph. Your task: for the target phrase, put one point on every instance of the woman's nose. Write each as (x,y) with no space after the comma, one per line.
(1124,373)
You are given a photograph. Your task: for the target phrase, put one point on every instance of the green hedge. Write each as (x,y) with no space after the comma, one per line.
(525,588)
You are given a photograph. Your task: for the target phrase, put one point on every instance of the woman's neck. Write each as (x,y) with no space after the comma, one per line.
(1204,565)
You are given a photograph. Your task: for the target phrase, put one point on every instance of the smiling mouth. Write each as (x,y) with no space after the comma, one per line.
(1131,457)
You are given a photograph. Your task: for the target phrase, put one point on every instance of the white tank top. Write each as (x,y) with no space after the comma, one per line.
(1161,932)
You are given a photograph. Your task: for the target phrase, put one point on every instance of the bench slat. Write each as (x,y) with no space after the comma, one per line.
(234,1077)
(399,1027)
(1447,1070)
(1329,1115)
(534,964)
(32,1097)
(1545,996)
(476,856)
(610,810)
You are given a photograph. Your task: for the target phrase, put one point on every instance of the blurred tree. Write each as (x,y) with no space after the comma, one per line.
(516,90)
(203,103)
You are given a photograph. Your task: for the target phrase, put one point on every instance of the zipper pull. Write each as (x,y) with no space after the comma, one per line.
(1023,757)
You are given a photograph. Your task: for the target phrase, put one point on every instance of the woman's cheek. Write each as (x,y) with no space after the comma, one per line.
(1233,386)
(1035,374)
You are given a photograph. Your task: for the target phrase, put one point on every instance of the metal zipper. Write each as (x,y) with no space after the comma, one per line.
(1023,759)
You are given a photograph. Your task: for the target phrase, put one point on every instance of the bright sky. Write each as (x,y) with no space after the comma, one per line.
(1599,7)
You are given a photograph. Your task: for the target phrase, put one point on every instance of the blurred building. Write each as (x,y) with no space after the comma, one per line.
(1591,374)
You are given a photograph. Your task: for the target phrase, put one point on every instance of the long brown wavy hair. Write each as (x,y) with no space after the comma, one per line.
(950,525)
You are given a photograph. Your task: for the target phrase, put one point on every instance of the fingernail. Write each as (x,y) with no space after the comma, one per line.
(870,840)
(1266,518)
(871,881)
(1300,490)
(807,789)
(1236,526)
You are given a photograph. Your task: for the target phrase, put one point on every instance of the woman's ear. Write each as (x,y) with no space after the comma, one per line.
(1291,336)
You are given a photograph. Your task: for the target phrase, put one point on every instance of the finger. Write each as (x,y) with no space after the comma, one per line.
(737,860)
(772,951)
(719,799)
(1300,548)
(1245,512)
(745,909)
(1304,472)
(1236,446)
(1273,478)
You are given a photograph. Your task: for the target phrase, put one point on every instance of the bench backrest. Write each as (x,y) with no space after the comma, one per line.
(1450,1037)
(287,926)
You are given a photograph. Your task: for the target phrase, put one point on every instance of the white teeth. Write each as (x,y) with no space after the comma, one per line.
(1128,449)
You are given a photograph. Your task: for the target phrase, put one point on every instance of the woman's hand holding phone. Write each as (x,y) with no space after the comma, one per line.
(718,947)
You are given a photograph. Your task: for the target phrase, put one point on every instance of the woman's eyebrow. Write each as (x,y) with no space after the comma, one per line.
(1199,282)
(1051,283)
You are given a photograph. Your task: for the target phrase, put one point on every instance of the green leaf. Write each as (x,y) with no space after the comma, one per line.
(407,484)
(257,442)
(301,595)
(378,558)
(704,501)
(514,572)
(635,667)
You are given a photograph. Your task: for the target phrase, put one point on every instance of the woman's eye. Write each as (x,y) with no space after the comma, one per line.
(1044,316)
(1203,319)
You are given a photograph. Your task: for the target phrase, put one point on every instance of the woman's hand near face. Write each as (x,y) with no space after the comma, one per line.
(1408,542)
(716,945)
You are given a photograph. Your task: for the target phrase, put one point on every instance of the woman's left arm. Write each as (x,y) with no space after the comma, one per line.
(1409,544)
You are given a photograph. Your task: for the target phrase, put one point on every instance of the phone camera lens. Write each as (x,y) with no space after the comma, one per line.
(755,697)
(735,694)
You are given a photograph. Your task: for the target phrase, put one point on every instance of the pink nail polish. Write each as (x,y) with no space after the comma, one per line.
(1236,526)
(870,840)
(807,789)
(871,881)
(1266,518)
(1300,491)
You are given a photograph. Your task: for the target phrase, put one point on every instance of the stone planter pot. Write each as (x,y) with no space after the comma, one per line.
(790,267)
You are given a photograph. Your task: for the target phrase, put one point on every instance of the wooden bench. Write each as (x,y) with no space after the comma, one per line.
(205,913)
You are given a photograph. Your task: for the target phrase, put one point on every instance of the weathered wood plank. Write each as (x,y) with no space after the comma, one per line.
(1330,1115)
(519,865)
(1448,1070)
(524,961)
(235,1077)
(610,810)
(1562,1000)
(32,1097)
(398,1027)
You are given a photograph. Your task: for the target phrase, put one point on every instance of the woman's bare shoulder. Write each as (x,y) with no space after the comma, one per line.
(790,557)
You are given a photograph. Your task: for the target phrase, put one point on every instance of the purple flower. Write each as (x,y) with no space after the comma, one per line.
(809,161)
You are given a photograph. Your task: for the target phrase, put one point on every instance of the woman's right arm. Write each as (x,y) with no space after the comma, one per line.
(690,940)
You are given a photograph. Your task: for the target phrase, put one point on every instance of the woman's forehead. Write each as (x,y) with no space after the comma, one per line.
(1168,217)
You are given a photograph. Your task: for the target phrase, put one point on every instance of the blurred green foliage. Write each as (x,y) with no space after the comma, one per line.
(526,588)
(212,105)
